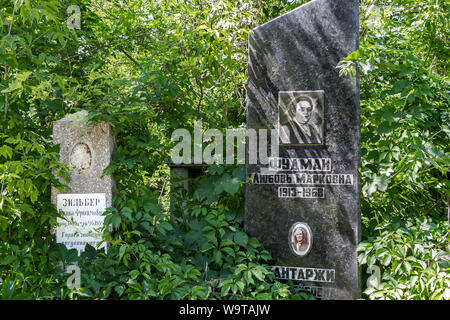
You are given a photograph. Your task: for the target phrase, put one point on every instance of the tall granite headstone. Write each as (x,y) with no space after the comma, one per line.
(304,204)
(88,149)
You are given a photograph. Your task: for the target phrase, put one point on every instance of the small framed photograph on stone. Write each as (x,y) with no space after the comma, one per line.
(301,117)
(300,238)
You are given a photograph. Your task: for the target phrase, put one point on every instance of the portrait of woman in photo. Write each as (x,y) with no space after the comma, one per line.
(300,238)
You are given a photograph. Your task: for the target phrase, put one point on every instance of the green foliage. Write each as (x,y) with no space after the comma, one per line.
(403,60)
(412,260)
(33,78)
(182,255)
(146,68)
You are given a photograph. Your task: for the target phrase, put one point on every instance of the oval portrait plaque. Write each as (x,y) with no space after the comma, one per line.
(300,238)
(81,158)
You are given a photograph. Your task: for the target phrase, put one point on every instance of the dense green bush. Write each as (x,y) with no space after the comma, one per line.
(407,260)
(405,133)
(145,79)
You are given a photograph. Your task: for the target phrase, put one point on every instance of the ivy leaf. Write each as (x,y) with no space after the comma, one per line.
(258,274)
(399,86)
(119,289)
(228,184)
(229,251)
(239,173)
(116,219)
(379,182)
(241,238)
(205,190)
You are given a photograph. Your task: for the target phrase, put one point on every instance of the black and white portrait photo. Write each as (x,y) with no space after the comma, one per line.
(301,117)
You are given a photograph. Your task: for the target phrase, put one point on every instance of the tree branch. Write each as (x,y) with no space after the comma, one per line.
(437,202)
(132,59)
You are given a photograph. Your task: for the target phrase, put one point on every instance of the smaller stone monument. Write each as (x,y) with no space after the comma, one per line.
(88,149)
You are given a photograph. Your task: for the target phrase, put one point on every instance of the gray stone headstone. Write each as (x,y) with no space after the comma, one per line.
(88,149)
(304,205)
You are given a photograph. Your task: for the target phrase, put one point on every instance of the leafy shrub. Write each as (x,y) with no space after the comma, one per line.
(408,260)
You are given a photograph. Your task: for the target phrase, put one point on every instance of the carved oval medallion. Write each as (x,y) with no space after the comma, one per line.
(81,158)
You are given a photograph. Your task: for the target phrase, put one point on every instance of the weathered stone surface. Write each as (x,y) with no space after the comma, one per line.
(88,149)
(292,66)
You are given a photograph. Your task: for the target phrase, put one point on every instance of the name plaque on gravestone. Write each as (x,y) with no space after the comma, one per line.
(303,205)
(88,149)
(83,218)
